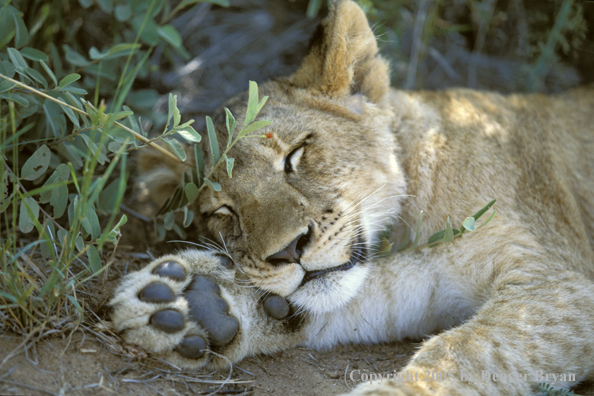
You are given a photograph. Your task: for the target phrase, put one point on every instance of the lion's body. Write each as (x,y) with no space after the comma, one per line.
(349,157)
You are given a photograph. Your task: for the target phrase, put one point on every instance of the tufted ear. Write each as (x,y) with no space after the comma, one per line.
(343,57)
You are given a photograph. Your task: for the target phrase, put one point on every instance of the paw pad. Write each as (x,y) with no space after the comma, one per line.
(204,292)
(191,347)
(168,320)
(156,292)
(172,270)
(276,307)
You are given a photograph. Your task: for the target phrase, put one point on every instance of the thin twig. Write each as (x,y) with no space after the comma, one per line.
(27,386)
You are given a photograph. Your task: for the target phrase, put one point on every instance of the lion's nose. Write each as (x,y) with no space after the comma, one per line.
(292,253)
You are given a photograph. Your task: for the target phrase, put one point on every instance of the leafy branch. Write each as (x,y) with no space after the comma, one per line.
(193,182)
(96,112)
(446,235)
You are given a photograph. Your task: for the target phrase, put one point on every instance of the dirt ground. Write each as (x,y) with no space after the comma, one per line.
(254,40)
(85,367)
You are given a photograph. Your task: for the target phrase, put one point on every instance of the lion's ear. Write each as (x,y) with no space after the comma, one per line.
(343,57)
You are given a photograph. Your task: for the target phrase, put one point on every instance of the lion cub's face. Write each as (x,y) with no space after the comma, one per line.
(304,206)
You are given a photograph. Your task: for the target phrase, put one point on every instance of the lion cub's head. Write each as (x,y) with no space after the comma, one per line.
(304,206)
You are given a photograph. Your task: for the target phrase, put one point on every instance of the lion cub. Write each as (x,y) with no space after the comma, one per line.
(512,304)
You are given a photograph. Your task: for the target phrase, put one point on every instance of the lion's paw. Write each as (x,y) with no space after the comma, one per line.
(184,305)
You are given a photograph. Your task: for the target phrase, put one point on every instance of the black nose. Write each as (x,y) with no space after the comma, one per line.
(292,253)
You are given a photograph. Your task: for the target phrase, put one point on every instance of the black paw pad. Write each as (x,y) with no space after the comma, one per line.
(276,307)
(168,320)
(156,292)
(210,310)
(192,347)
(171,269)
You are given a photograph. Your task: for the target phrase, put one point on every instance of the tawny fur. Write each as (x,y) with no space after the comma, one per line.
(515,296)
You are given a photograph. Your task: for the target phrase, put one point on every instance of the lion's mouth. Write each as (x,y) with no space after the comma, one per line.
(358,253)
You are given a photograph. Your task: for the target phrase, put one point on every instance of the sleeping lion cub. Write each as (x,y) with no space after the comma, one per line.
(348,157)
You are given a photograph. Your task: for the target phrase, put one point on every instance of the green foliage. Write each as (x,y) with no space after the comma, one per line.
(446,235)
(195,180)
(63,169)
(549,390)
(519,46)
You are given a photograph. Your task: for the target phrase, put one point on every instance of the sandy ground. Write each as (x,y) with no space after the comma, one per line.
(83,366)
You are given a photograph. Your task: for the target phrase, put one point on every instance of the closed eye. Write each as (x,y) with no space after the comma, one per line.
(223,210)
(292,160)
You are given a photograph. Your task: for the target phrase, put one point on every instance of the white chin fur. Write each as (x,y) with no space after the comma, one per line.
(330,292)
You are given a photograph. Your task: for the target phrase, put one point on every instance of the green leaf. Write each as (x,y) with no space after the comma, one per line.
(28,214)
(85,3)
(188,133)
(171,35)
(254,126)
(105,5)
(90,221)
(222,3)
(33,54)
(49,72)
(62,171)
(7,68)
(37,164)
(173,111)
(113,235)
(449,233)
(468,223)
(123,12)
(101,157)
(252,106)
(94,259)
(489,219)
(6,86)
(74,58)
(71,115)
(230,162)
(169,221)
(231,124)
(212,140)
(16,58)
(417,232)
(482,211)
(59,198)
(79,243)
(191,191)
(7,28)
(199,164)
(150,32)
(35,75)
(212,185)
(177,148)
(18,98)
(22,35)
(117,51)
(75,90)
(188,217)
(69,79)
